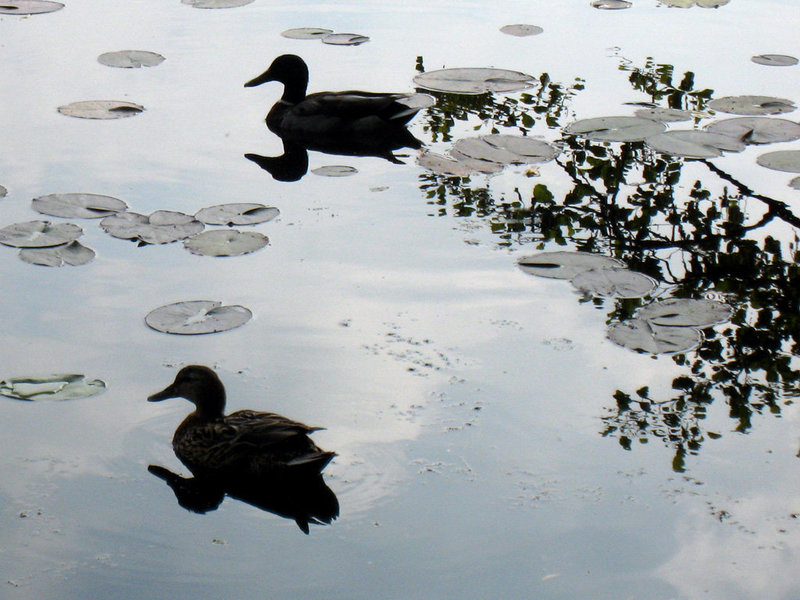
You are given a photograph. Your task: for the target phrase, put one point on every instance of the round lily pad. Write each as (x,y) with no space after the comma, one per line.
(196,317)
(101,109)
(643,336)
(217,3)
(783,160)
(39,234)
(504,149)
(775,60)
(685,312)
(443,165)
(161,227)
(616,129)
(757,130)
(78,206)
(752,105)
(344,39)
(28,7)
(521,30)
(692,143)
(665,115)
(225,242)
(614,283)
(130,59)
(51,387)
(237,213)
(73,254)
(335,171)
(474,81)
(306,33)
(611,4)
(565,265)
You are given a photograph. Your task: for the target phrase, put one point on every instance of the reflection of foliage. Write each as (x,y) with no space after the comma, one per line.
(657,215)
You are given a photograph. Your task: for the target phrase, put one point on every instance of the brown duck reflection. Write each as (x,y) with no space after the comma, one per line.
(260,458)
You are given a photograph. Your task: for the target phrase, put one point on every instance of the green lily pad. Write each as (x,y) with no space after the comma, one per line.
(28,7)
(73,254)
(39,234)
(757,130)
(101,109)
(614,283)
(616,129)
(344,39)
(161,227)
(51,387)
(474,80)
(504,150)
(783,160)
(665,115)
(130,59)
(443,165)
(225,242)
(752,105)
(306,33)
(685,312)
(216,3)
(774,60)
(78,206)
(693,143)
(611,4)
(335,171)
(643,336)
(521,30)
(197,317)
(237,213)
(565,265)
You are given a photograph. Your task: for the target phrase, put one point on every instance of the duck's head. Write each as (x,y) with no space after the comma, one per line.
(198,384)
(291,71)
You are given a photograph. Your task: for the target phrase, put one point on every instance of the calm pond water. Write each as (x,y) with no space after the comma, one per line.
(491,440)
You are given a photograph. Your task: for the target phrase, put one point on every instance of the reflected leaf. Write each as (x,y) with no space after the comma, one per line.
(101,109)
(51,387)
(225,242)
(78,206)
(752,105)
(616,129)
(130,59)
(237,213)
(197,317)
(74,254)
(474,81)
(757,130)
(643,336)
(28,7)
(162,227)
(216,3)
(521,30)
(686,312)
(614,283)
(39,234)
(344,39)
(611,4)
(783,160)
(775,60)
(693,143)
(665,115)
(335,171)
(565,265)
(306,33)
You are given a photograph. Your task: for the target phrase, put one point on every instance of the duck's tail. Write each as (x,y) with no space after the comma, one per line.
(313,462)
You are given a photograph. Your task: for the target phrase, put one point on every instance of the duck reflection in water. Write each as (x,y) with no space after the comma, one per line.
(352,123)
(260,458)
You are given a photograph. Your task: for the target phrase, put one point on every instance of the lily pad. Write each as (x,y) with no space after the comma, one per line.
(783,160)
(685,312)
(665,115)
(757,130)
(504,149)
(775,60)
(225,242)
(101,109)
(306,33)
(643,336)
(73,254)
(28,7)
(237,213)
(39,234)
(611,4)
(344,39)
(752,105)
(161,227)
(614,283)
(474,81)
(692,143)
(616,129)
(217,3)
(565,265)
(196,317)
(521,30)
(443,165)
(51,387)
(3,191)
(78,206)
(130,59)
(795,183)
(335,171)
(690,3)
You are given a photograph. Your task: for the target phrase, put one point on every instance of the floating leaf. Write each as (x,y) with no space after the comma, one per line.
(344,39)
(73,254)
(665,115)
(130,59)
(565,265)
(217,3)
(443,165)
(644,336)
(752,105)
(161,227)
(757,130)
(237,213)
(616,129)
(690,3)
(611,4)
(775,60)
(39,234)
(78,206)
(196,317)
(418,101)
(101,109)
(335,171)
(521,30)
(685,312)
(614,283)
(28,7)
(783,160)
(306,33)
(693,143)
(504,150)
(225,242)
(474,81)
(51,387)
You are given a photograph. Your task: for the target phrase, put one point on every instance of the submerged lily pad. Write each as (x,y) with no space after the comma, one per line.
(616,129)
(78,206)
(504,150)
(216,3)
(775,60)
(474,81)
(51,387)
(161,227)
(783,160)
(101,109)
(130,59)
(614,283)
(643,336)
(611,4)
(521,30)
(237,213)
(73,254)
(196,317)
(335,171)
(39,234)
(565,265)
(443,165)
(28,7)
(692,143)
(344,39)
(757,130)
(225,242)
(685,312)
(752,105)
(665,115)
(306,33)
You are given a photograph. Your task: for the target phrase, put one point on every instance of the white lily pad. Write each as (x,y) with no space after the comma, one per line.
(611,4)
(521,30)
(643,336)
(565,265)
(306,33)
(39,234)
(225,242)
(335,171)
(28,7)
(78,206)
(73,254)
(614,283)
(783,160)
(757,130)
(443,165)
(685,312)
(417,101)
(616,129)
(197,317)
(161,227)
(216,3)
(474,80)
(344,39)
(51,387)
(101,109)
(504,150)
(130,59)
(775,60)
(665,115)
(237,213)
(693,143)
(752,105)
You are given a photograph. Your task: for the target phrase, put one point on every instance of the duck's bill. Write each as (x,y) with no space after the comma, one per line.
(263,78)
(167,392)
